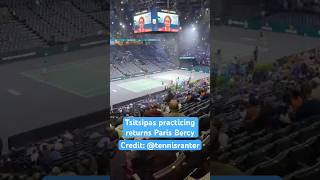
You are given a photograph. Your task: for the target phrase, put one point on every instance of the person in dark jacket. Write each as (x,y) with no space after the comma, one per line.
(303,105)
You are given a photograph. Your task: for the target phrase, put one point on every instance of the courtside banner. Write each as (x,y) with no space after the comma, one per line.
(160,127)
(245,178)
(76,178)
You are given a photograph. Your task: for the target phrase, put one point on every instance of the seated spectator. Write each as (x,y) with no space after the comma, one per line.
(67,168)
(219,136)
(242,112)
(174,109)
(54,155)
(119,129)
(95,135)
(252,113)
(169,97)
(55,171)
(283,111)
(309,107)
(104,143)
(203,95)
(153,112)
(190,98)
(315,91)
(89,164)
(68,143)
(266,118)
(221,169)
(303,108)
(68,135)
(34,156)
(44,157)
(58,145)
(44,146)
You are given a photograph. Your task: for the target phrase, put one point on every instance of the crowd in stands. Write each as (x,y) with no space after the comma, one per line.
(195,43)
(132,60)
(191,100)
(312,6)
(201,54)
(32,24)
(88,151)
(187,93)
(84,151)
(277,13)
(294,19)
(20,38)
(266,122)
(293,12)
(127,61)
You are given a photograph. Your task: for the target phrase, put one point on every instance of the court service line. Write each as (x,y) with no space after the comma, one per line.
(53,85)
(14,92)
(248,39)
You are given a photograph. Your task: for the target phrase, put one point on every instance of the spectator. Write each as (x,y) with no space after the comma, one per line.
(34,156)
(169,97)
(219,136)
(68,135)
(252,113)
(190,98)
(315,94)
(44,157)
(104,143)
(153,113)
(54,155)
(174,109)
(58,145)
(55,171)
(309,107)
(68,143)
(203,95)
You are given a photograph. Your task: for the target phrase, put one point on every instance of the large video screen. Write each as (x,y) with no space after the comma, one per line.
(142,23)
(168,22)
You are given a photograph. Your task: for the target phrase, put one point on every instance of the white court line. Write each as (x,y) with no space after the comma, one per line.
(14,92)
(53,85)
(264,49)
(66,66)
(248,39)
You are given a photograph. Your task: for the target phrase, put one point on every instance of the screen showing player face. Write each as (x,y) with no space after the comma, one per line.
(168,22)
(142,23)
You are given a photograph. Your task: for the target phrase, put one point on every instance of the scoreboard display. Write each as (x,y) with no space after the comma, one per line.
(142,23)
(156,21)
(168,22)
